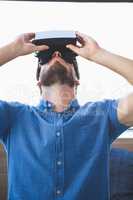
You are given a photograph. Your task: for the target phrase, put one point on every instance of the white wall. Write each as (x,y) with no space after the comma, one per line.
(109,23)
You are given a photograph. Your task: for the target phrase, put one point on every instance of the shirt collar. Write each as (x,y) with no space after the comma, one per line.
(48,106)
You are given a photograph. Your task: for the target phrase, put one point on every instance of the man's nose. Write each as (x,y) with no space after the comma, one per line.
(56,54)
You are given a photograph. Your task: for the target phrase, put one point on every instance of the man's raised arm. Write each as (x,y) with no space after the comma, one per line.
(22,45)
(90,50)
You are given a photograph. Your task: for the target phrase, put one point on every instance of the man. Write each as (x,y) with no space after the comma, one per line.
(59,149)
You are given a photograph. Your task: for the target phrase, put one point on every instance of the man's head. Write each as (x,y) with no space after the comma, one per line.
(57,70)
(57,65)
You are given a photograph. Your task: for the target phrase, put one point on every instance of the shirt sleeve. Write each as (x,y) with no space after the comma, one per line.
(5,120)
(115,127)
(8,111)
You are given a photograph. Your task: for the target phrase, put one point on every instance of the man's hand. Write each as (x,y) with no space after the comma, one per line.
(23,45)
(123,66)
(88,47)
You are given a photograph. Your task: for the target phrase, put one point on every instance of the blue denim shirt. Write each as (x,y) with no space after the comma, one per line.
(59,156)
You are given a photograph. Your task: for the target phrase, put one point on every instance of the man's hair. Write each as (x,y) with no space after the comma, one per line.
(75,64)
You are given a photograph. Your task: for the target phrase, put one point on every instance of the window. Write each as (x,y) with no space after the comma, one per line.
(108,23)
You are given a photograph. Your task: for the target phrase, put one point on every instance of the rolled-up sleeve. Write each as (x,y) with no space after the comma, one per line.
(115,127)
(5,119)
(8,114)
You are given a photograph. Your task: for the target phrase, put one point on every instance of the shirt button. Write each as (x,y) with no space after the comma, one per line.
(49,105)
(58,134)
(58,192)
(59,162)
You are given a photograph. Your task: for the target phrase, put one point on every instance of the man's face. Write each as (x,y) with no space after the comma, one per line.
(57,70)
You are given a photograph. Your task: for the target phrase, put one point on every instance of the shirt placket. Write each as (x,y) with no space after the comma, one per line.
(59,167)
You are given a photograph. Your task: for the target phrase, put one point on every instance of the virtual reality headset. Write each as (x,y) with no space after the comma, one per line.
(57,41)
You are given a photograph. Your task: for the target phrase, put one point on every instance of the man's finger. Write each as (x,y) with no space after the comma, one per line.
(73,48)
(29,36)
(41,48)
(82,36)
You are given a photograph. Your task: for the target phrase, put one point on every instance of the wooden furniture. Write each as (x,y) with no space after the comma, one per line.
(3,174)
(125,143)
